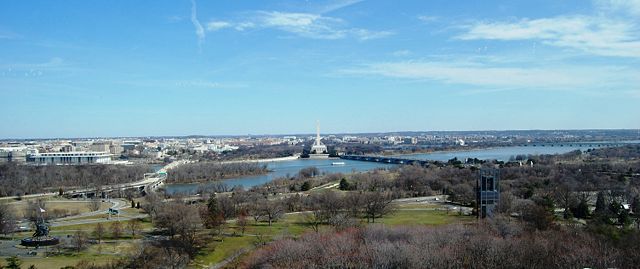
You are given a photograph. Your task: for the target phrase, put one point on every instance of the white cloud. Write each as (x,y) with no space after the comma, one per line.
(307,25)
(217,25)
(303,24)
(174,19)
(623,6)
(199,29)
(504,77)
(401,53)
(594,35)
(364,34)
(428,19)
(336,5)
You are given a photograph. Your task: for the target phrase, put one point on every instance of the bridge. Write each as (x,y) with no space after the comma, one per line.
(381,159)
(576,144)
(150,182)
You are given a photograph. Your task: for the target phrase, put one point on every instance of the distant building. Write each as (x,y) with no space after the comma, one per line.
(487,192)
(69,157)
(13,154)
(66,148)
(100,147)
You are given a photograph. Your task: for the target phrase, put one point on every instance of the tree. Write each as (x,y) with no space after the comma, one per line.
(99,231)
(116,230)
(272,210)
(94,204)
(565,198)
(344,185)
(242,220)
(377,205)
(601,204)
(539,217)
(314,219)
(635,205)
(581,209)
(179,219)
(133,226)
(13,263)
(79,240)
(213,207)
(36,210)
(7,219)
(305,186)
(152,204)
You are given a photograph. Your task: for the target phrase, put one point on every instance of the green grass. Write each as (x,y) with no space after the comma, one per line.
(423,217)
(58,261)
(293,225)
(217,251)
(145,226)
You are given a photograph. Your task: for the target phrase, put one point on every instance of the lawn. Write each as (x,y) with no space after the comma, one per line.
(70,206)
(218,250)
(62,260)
(424,216)
(293,225)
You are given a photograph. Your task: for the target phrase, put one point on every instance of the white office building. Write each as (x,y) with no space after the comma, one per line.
(79,157)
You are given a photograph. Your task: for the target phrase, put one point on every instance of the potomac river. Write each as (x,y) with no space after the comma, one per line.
(291,167)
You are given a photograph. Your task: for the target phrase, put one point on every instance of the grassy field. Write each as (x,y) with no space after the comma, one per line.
(232,243)
(293,225)
(425,216)
(56,204)
(62,261)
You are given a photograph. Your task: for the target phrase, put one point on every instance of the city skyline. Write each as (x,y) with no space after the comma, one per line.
(178,68)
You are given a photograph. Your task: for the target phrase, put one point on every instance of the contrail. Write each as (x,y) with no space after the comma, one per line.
(197,25)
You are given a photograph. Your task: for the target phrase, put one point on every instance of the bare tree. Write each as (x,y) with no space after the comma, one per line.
(314,219)
(272,210)
(36,209)
(79,240)
(376,205)
(99,232)
(242,220)
(133,226)
(565,197)
(7,219)
(94,204)
(152,204)
(116,230)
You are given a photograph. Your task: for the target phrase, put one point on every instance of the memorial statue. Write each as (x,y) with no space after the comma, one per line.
(41,229)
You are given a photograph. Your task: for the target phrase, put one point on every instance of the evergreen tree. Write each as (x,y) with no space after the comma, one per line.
(305,186)
(601,204)
(344,185)
(13,263)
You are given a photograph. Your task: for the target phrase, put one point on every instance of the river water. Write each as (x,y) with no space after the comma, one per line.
(291,168)
(283,169)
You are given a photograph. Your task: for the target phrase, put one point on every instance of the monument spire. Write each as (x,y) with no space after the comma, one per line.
(318,150)
(318,132)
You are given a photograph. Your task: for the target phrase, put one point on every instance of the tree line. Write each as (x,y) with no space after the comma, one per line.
(18,179)
(211,171)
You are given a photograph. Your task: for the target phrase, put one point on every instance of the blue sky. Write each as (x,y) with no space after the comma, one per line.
(141,68)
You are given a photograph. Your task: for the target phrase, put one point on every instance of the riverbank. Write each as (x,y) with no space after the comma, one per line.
(280,159)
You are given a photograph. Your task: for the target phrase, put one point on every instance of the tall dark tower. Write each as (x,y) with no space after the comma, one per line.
(487,192)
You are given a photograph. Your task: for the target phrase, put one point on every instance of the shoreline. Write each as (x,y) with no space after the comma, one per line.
(279,159)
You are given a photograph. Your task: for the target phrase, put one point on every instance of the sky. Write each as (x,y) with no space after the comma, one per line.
(193,67)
